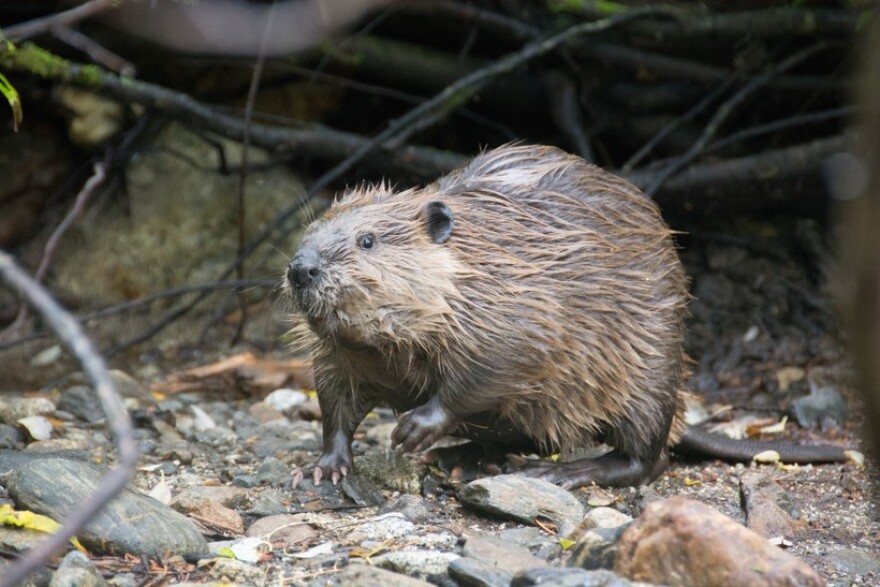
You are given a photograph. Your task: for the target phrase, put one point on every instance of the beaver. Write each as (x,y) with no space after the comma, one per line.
(528,297)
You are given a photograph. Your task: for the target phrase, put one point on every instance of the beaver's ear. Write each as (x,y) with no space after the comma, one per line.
(438,221)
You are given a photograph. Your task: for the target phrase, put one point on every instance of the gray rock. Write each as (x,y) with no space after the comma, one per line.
(362,490)
(537,541)
(422,564)
(272,472)
(245,481)
(390,470)
(768,507)
(14,409)
(822,403)
(239,572)
(569,578)
(285,400)
(218,437)
(525,500)
(385,527)
(471,572)
(10,437)
(126,385)
(414,508)
(54,486)
(604,517)
(510,557)
(76,570)
(268,503)
(286,529)
(16,539)
(596,548)
(855,562)
(124,580)
(82,402)
(368,576)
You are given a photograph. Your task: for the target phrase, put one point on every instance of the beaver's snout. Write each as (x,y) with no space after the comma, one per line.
(303,268)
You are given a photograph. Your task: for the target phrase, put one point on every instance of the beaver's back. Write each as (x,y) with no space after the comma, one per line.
(573,286)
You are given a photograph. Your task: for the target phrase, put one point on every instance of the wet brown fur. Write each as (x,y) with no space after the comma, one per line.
(558,302)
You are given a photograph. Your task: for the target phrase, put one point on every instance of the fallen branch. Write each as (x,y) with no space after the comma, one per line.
(38,26)
(725,111)
(703,188)
(311,139)
(81,347)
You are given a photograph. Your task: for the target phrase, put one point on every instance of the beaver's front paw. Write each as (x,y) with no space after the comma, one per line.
(419,428)
(336,464)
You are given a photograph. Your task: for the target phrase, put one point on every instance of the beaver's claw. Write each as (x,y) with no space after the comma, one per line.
(421,427)
(336,464)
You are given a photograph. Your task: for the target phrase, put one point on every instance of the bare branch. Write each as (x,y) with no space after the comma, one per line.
(117,417)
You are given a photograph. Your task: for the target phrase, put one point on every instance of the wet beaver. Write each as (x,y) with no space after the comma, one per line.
(529,296)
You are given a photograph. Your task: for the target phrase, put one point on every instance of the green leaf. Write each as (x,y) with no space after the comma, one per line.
(12,97)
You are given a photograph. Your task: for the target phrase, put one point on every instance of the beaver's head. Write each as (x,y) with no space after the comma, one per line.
(376,269)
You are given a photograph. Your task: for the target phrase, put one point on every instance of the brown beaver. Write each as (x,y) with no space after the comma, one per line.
(527,296)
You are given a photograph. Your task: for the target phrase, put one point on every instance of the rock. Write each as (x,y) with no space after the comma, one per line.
(385,527)
(768,507)
(231,497)
(225,570)
(126,385)
(38,427)
(390,471)
(414,508)
(263,412)
(369,576)
(82,402)
(286,529)
(93,120)
(596,548)
(821,404)
(569,578)
(13,410)
(855,562)
(59,445)
(362,490)
(285,400)
(272,472)
(604,517)
(15,539)
(211,515)
(10,437)
(269,503)
(471,572)
(525,500)
(131,523)
(422,564)
(680,541)
(537,541)
(507,556)
(76,570)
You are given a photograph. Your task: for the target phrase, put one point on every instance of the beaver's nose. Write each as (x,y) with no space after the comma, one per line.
(303,268)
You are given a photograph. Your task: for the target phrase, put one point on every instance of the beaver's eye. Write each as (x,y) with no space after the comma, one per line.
(367,241)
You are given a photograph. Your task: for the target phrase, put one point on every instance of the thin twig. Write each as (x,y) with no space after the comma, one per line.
(99,54)
(81,347)
(710,99)
(781,124)
(724,112)
(243,169)
(99,172)
(26,30)
(713,180)
(138,303)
